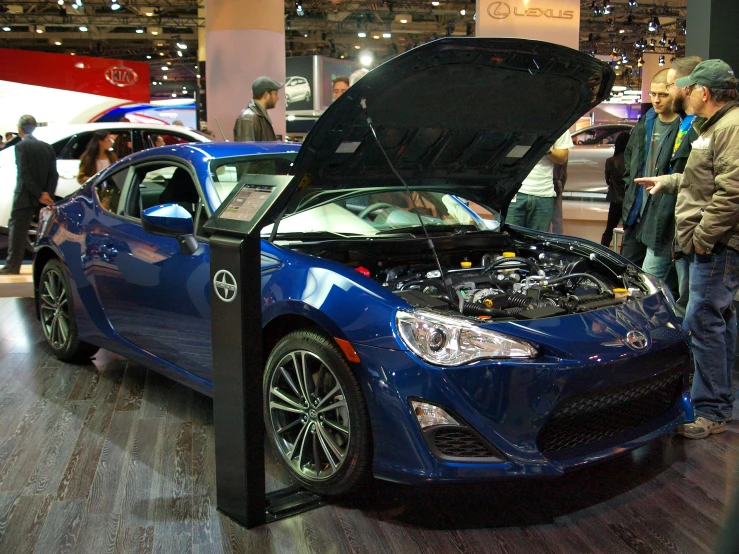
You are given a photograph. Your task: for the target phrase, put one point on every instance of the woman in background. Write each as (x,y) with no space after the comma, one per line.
(97,156)
(615,169)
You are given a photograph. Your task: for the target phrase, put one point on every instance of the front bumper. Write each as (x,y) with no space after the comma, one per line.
(545,416)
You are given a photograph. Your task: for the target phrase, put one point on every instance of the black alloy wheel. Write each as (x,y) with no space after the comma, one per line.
(56,308)
(316,415)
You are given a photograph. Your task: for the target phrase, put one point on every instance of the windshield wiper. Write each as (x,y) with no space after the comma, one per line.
(449,229)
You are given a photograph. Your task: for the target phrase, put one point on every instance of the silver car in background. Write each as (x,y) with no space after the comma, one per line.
(587,160)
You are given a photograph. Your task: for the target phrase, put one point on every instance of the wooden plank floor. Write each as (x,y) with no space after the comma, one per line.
(110,457)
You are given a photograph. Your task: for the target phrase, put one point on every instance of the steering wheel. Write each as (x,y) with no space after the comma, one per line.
(374,207)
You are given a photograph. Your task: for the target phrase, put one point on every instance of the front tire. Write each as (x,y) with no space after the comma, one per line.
(316,415)
(58,320)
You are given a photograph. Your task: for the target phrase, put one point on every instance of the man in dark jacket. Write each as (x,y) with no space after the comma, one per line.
(35,185)
(254,122)
(648,153)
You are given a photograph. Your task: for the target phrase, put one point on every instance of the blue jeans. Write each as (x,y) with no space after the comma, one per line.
(711,318)
(682,267)
(534,212)
(659,266)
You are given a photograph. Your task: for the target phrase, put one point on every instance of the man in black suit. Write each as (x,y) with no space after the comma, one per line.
(35,185)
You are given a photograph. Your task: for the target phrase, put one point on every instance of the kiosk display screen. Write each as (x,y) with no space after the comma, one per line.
(246,203)
(249,204)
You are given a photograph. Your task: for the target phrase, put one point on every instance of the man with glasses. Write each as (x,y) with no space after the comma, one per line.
(254,123)
(707,217)
(648,153)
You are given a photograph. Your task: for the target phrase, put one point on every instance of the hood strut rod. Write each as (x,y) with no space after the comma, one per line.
(363,102)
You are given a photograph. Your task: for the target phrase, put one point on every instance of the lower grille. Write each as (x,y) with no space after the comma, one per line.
(588,419)
(460,443)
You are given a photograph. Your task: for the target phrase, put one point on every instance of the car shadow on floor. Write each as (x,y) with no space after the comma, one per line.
(515,502)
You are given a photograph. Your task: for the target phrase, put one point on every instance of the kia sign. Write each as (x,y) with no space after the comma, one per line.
(555,21)
(121,76)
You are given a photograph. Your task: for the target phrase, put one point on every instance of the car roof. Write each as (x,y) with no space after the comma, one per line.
(216,150)
(57,132)
(605,126)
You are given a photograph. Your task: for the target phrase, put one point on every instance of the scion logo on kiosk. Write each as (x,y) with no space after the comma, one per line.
(225,285)
(501,10)
(121,76)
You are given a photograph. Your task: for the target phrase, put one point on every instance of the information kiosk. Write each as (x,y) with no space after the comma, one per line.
(238,360)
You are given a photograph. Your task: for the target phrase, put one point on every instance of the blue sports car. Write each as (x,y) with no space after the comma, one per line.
(408,332)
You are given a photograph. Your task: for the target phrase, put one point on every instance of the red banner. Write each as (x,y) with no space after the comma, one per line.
(104,76)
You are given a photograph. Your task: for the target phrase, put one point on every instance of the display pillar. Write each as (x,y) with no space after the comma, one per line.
(200,94)
(246,39)
(712,27)
(555,21)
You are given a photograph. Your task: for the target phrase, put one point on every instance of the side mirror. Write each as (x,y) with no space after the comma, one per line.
(169,220)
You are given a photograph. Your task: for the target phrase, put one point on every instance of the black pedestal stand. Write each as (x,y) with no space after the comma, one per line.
(238,370)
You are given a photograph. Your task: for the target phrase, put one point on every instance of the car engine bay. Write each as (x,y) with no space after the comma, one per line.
(512,279)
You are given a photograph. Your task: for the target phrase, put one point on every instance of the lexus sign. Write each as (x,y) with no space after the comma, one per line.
(555,21)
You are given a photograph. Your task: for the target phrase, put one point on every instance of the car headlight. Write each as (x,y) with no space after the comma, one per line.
(656,285)
(448,340)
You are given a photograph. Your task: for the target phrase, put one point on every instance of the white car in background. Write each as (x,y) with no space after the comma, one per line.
(297,89)
(69,141)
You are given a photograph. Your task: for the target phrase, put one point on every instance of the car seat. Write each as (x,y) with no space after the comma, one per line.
(181,190)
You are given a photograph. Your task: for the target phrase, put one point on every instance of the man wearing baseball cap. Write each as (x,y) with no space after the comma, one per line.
(707,220)
(254,122)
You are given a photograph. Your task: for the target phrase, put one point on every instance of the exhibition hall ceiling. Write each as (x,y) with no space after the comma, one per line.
(165,32)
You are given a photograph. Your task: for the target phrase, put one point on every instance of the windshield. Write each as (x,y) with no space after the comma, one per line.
(387,212)
(227,173)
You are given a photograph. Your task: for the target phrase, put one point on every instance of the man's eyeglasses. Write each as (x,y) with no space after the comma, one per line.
(661,95)
(668,85)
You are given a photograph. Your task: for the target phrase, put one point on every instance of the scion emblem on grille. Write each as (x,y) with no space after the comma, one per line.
(637,340)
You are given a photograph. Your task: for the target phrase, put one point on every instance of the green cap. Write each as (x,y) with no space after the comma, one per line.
(714,74)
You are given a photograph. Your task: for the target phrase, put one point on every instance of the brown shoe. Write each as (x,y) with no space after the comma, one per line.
(701,428)
(5,270)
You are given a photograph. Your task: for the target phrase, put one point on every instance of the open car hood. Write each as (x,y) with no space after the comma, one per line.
(468,116)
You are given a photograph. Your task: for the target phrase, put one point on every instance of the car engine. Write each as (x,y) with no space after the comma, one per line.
(528,283)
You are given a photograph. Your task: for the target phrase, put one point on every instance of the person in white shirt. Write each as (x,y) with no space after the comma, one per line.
(533,205)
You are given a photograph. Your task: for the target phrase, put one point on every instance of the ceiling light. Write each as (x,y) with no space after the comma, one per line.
(169,63)
(182,46)
(376,36)
(165,68)
(58,42)
(366,58)
(197,76)
(115,6)
(435,3)
(661,60)
(148,57)
(361,34)
(140,31)
(154,30)
(404,21)
(357,46)
(165,77)
(653,25)
(618,88)
(633,3)
(606,7)
(462,12)
(161,53)
(622,31)
(39,29)
(179,53)
(60,2)
(6,28)
(386,35)
(174,95)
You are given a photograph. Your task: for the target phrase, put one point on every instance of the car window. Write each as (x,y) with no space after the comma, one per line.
(164,183)
(156,138)
(74,146)
(226,174)
(59,146)
(109,191)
